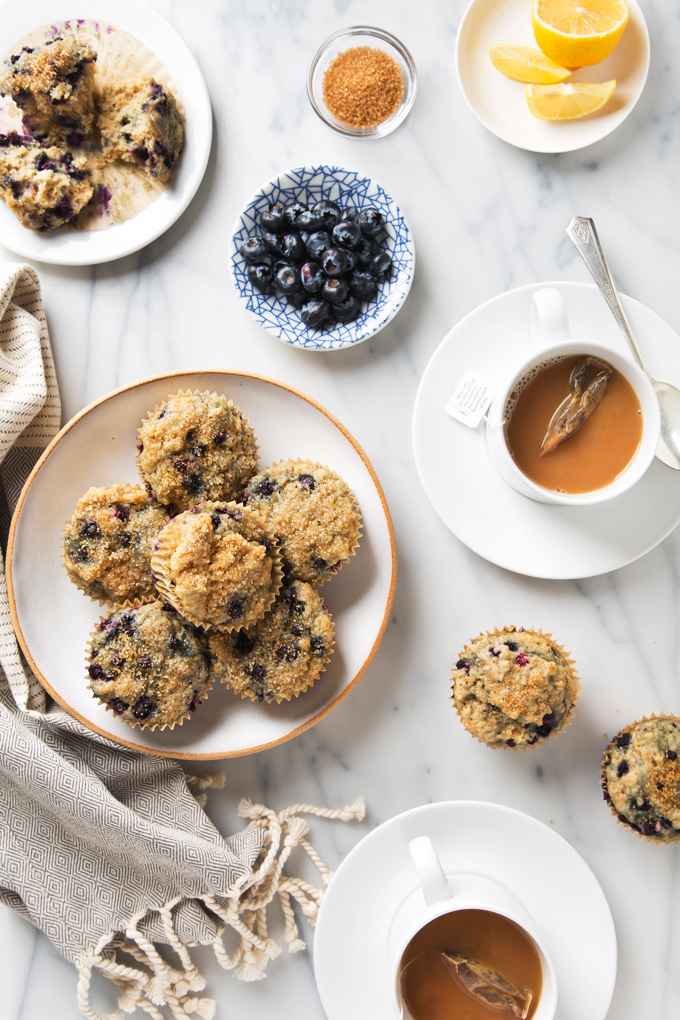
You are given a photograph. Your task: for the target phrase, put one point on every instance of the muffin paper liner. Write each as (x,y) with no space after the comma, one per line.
(159,407)
(120,56)
(603,781)
(160,569)
(355,544)
(282,697)
(77,581)
(128,604)
(572,672)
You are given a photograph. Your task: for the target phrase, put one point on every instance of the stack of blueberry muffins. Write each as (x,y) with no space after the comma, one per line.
(209,566)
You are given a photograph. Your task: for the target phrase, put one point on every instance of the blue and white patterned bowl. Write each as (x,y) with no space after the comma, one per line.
(309,184)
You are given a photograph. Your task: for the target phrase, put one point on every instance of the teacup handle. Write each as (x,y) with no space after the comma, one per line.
(429,870)
(549,323)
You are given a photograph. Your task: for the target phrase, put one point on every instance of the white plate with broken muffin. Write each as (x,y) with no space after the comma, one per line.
(105,129)
(119,668)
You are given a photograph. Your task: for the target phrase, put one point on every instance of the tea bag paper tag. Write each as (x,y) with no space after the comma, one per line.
(470,400)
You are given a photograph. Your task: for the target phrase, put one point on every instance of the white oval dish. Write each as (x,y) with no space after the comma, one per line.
(84,248)
(53,619)
(500,103)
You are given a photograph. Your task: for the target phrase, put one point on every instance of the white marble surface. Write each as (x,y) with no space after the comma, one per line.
(485,217)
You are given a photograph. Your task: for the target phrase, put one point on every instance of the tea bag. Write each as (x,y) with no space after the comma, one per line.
(487,985)
(587,385)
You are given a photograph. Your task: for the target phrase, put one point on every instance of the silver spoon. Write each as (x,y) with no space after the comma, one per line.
(582,232)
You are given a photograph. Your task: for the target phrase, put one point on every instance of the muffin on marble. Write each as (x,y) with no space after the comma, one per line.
(139,123)
(148,665)
(283,654)
(313,514)
(196,447)
(108,540)
(514,687)
(641,778)
(218,565)
(44,187)
(54,87)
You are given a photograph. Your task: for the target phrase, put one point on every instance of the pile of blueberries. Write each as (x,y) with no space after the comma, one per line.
(324,260)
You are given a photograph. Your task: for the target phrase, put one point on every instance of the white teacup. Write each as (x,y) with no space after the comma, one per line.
(551,334)
(438,895)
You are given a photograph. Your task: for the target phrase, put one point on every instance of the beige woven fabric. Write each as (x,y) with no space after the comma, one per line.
(106,849)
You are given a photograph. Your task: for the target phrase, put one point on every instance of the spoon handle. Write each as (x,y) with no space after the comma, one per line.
(582,232)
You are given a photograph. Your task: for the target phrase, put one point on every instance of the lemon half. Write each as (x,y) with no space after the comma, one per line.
(576,33)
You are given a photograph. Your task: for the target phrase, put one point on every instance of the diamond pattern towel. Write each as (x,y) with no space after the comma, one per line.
(103,848)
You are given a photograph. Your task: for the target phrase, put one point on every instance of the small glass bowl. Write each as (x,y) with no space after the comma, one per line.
(347,38)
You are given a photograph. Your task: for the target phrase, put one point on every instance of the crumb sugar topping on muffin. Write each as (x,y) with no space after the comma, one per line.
(196,447)
(514,688)
(313,514)
(108,540)
(641,778)
(148,665)
(217,564)
(283,654)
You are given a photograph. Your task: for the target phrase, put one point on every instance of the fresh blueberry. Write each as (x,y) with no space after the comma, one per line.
(254,248)
(292,213)
(287,280)
(273,219)
(365,252)
(361,284)
(350,308)
(335,289)
(293,248)
(318,243)
(274,243)
(298,299)
(347,234)
(380,265)
(329,212)
(312,277)
(350,215)
(334,261)
(351,260)
(315,313)
(371,222)
(310,220)
(260,276)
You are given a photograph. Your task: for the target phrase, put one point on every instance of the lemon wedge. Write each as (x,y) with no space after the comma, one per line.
(568,101)
(526,64)
(576,33)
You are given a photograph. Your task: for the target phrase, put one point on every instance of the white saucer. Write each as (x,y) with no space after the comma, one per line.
(481,509)
(500,103)
(555,885)
(89,247)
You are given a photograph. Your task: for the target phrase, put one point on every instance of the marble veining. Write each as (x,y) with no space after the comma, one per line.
(485,218)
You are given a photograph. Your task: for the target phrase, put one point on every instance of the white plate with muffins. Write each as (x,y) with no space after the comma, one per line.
(97,449)
(471,496)
(163,53)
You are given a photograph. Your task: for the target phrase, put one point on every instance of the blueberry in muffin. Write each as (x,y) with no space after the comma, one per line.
(641,778)
(148,665)
(283,654)
(140,123)
(53,85)
(514,687)
(194,447)
(313,514)
(108,540)
(44,187)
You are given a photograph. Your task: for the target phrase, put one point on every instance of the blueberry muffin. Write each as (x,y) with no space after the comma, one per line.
(54,87)
(514,687)
(313,514)
(641,778)
(148,665)
(196,447)
(280,656)
(218,565)
(44,187)
(139,123)
(108,540)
